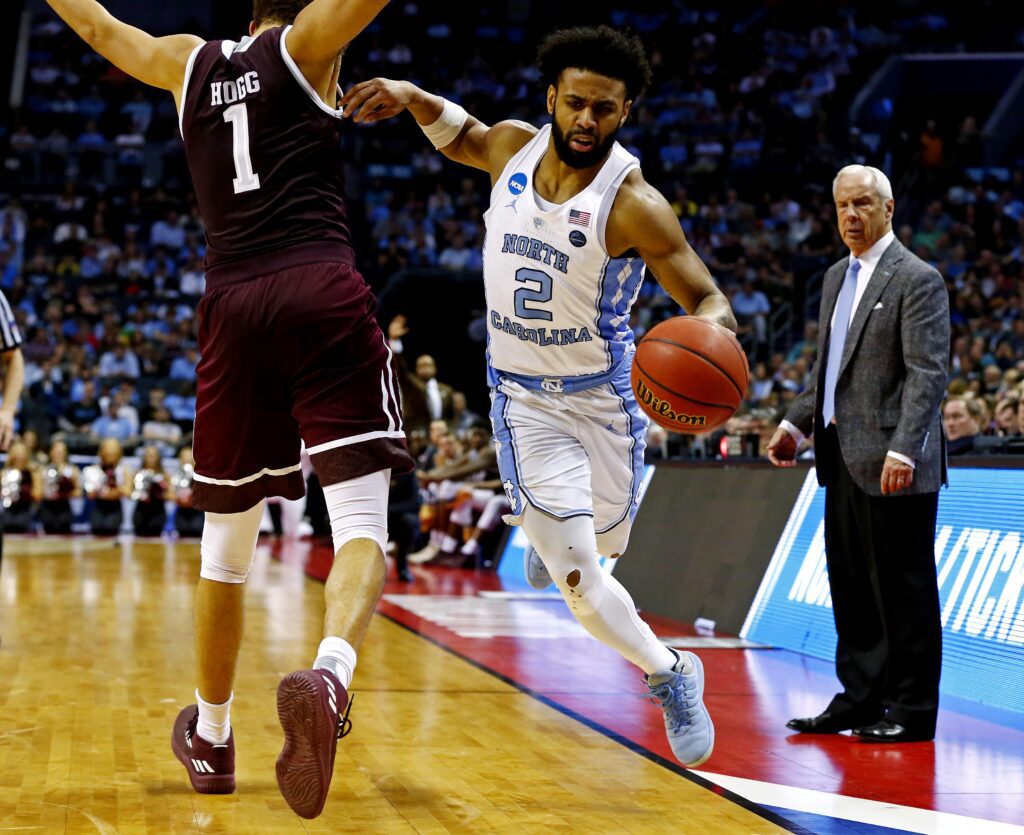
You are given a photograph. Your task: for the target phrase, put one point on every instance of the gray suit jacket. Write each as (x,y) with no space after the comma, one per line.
(893,374)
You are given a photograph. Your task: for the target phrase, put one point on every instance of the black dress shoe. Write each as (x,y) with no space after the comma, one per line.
(888,731)
(825,723)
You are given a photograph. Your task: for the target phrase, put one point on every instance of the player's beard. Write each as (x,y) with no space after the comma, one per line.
(580,159)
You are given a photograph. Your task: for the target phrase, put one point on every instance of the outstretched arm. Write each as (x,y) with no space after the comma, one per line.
(323,29)
(642,219)
(159,62)
(476,144)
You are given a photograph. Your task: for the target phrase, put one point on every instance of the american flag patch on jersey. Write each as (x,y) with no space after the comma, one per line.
(579,218)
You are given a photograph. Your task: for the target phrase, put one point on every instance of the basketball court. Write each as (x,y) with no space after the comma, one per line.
(475,710)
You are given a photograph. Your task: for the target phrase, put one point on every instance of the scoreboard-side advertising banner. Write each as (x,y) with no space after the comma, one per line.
(979,555)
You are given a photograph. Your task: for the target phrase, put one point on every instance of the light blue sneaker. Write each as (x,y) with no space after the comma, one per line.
(687,722)
(533,567)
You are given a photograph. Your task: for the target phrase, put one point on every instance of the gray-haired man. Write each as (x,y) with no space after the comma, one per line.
(873,408)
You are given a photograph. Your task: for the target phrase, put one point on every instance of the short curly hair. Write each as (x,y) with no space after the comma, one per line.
(601,50)
(277,11)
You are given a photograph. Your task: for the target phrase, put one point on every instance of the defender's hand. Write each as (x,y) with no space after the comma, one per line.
(376,99)
(782,449)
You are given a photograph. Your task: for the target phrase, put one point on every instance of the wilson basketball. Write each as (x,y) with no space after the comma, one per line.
(689,375)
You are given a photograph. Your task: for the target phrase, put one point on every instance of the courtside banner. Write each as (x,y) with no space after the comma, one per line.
(979,554)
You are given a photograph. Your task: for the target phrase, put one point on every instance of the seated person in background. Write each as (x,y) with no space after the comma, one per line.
(437,498)
(62,481)
(149,486)
(463,418)
(161,431)
(470,482)
(77,420)
(105,483)
(36,456)
(1007,424)
(111,424)
(187,520)
(437,431)
(479,482)
(21,488)
(403,519)
(960,418)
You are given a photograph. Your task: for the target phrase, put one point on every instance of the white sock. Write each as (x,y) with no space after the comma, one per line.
(338,657)
(214,720)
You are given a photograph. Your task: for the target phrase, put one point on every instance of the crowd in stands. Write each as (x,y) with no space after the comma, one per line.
(101,245)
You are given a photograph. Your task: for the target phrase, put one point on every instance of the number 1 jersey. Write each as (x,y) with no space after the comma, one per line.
(264,153)
(557,302)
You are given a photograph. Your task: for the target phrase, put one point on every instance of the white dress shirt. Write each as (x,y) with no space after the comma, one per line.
(868,262)
(434,404)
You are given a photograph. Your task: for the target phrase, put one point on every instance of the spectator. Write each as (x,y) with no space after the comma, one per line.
(149,488)
(457,255)
(752,307)
(187,520)
(105,482)
(961,418)
(403,520)
(119,363)
(424,399)
(21,487)
(184,367)
(112,424)
(62,481)
(161,432)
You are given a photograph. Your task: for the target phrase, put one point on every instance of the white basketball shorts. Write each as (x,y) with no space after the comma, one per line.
(579,454)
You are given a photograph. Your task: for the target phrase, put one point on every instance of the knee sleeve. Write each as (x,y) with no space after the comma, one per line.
(568,548)
(358,509)
(229,544)
(613,543)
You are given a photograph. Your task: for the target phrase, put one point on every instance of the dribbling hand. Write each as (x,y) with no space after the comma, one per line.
(782,449)
(376,99)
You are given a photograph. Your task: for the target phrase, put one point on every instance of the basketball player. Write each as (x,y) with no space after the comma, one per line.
(290,350)
(571,225)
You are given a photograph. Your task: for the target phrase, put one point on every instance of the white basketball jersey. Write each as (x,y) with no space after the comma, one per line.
(557,303)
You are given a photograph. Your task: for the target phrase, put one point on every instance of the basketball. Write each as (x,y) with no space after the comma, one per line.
(690,375)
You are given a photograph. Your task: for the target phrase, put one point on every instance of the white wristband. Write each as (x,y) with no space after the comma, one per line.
(448,125)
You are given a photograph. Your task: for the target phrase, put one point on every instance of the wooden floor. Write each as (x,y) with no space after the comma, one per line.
(96,660)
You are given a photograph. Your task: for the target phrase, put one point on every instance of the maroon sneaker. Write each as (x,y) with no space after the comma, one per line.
(313,709)
(211,768)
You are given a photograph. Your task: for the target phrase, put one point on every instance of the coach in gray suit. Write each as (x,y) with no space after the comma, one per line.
(873,408)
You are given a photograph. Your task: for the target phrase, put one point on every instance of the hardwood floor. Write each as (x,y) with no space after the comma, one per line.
(96,659)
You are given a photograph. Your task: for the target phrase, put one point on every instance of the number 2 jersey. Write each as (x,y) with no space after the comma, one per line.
(264,152)
(557,302)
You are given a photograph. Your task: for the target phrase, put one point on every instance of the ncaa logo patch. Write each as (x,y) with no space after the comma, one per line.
(577,238)
(517,183)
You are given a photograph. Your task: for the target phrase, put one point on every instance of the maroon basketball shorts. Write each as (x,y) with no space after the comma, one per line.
(290,356)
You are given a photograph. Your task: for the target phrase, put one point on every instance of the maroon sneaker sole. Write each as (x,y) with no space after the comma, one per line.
(310,724)
(202,783)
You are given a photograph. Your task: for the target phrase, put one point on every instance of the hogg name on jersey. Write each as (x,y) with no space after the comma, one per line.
(228,92)
(541,336)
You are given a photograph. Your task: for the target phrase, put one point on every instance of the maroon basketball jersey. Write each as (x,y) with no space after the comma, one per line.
(264,153)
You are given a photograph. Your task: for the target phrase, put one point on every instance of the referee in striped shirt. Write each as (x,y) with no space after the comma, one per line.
(13,366)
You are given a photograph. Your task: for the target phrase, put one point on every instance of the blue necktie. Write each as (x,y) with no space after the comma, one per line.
(837,340)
